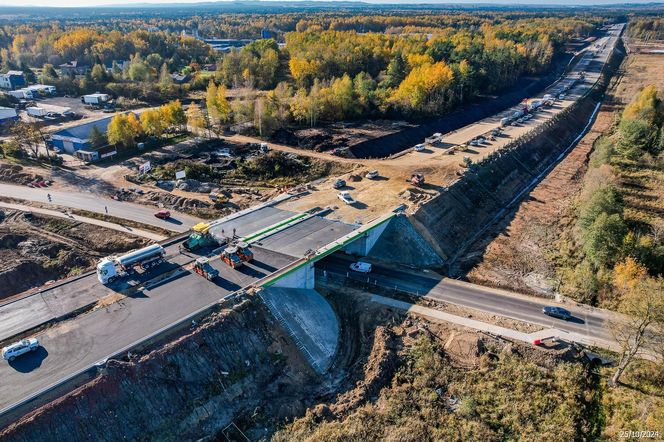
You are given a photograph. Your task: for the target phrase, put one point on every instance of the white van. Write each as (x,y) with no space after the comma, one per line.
(12,351)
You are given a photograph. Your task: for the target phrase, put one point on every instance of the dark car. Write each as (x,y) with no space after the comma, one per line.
(557,312)
(338,184)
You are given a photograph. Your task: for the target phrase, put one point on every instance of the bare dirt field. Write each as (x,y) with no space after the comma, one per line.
(518,257)
(35,249)
(337,135)
(234,171)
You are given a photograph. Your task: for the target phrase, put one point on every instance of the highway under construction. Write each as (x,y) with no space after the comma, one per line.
(85,321)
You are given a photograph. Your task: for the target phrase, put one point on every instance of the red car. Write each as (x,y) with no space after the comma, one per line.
(163,214)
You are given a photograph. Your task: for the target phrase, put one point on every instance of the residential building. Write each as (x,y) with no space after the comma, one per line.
(121,64)
(74,67)
(179,78)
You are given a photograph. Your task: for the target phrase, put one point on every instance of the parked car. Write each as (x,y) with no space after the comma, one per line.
(372,174)
(338,184)
(360,266)
(163,214)
(69,114)
(557,312)
(345,197)
(12,351)
(419,147)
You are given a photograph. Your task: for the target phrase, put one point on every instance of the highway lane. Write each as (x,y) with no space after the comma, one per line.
(25,312)
(76,344)
(179,222)
(591,62)
(587,321)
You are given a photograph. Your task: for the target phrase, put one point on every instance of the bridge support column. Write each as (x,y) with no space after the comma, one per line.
(362,246)
(302,278)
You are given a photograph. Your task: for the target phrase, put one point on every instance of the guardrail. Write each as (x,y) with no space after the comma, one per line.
(74,380)
(325,251)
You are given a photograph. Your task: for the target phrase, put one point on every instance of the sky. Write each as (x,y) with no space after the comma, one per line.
(79,3)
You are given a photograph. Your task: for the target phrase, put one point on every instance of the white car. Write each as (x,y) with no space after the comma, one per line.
(372,174)
(360,266)
(419,147)
(12,351)
(345,197)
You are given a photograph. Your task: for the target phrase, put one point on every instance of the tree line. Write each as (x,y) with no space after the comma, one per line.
(646,28)
(619,262)
(126,129)
(330,75)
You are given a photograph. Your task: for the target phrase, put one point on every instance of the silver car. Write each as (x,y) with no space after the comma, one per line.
(12,351)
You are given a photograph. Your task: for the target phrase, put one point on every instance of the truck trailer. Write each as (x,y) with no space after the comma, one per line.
(36,111)
(111,268)
(95,99)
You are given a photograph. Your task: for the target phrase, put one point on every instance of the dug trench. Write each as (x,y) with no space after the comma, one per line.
(490,190)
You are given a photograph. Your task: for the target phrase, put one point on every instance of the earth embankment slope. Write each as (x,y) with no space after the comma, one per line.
(462,211)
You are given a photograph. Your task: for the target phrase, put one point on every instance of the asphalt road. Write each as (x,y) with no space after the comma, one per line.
(76,344)
(60,299)
(179,222)
(586,321)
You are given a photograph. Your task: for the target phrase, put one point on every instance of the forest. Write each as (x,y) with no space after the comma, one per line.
(646,28)
(619,240)
(314,68)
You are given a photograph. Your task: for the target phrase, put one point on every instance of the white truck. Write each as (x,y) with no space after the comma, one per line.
(96,98)
(22,94)
(36,111)
(113,267)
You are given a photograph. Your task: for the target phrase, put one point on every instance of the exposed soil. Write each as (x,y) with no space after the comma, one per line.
(236,367)
(338,135)
(240,177)
(519,257)
(237,372)
(16,174)
(35,249)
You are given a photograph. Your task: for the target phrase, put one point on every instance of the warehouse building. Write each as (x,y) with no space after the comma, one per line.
(77,138)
